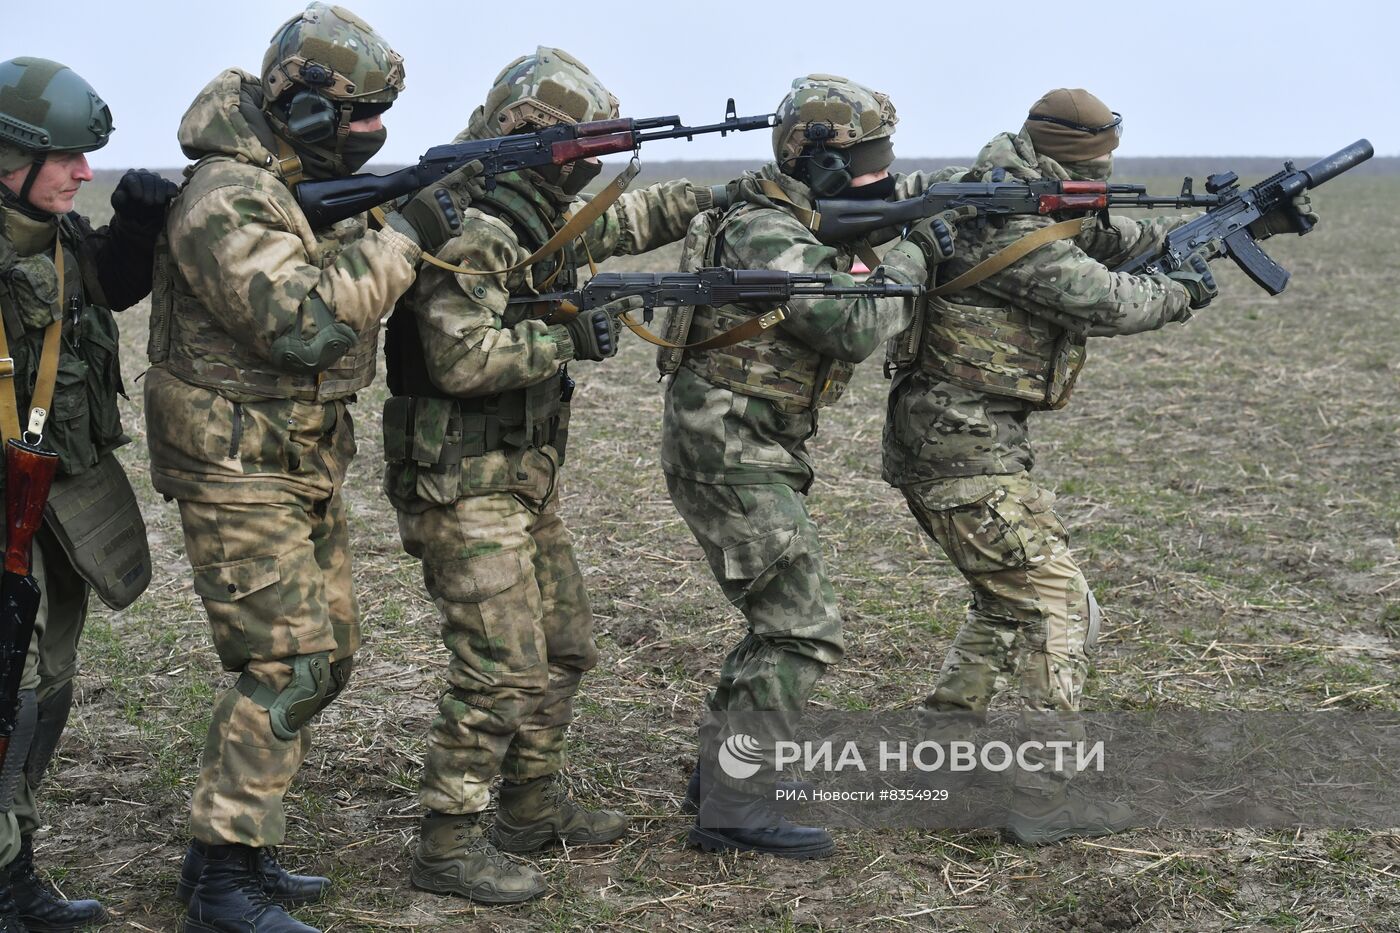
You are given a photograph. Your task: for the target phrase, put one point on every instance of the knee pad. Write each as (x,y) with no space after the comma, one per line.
(53,713)
(340,676)
(17,752)
(292,707)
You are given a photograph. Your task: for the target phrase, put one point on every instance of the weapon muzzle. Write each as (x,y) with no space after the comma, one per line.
(1342,160)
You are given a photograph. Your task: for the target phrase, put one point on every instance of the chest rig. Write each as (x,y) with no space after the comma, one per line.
(531,417)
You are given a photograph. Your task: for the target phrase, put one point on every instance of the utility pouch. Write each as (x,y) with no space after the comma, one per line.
(423,438)
(696,253)
(98,523)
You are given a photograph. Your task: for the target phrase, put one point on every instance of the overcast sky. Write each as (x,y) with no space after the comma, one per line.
(1191,78)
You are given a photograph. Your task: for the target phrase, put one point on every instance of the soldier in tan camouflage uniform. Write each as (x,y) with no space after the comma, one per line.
(262,331)
(93,539)
(979,362)
(737,419)
(475,439)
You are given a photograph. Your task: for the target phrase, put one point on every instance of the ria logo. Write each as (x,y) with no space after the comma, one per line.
(740,756)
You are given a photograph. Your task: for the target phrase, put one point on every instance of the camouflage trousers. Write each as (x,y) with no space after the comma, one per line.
(515,616)
(765,553)
(275,581)
(49,669)
(1032,616)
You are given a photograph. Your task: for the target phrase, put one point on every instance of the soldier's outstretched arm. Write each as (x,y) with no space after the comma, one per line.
(1126,237)
(467,347)
(120,254)
(238,247)
(645,219)
(848,329)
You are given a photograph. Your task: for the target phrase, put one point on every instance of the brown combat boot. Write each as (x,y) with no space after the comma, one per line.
(455,857)
(530,816)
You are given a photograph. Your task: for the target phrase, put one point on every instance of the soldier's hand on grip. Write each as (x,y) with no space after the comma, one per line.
(1280,220)
(592,334)
(142,197)
(934,236)
(1195,276)
(434,215)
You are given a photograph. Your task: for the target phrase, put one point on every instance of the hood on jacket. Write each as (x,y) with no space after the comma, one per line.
(226,118)
(1015,153)
(746,190)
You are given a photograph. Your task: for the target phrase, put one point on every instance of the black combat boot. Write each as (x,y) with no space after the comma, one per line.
(783,790)
(9,918)
(282,886)
(732,821)
(39,906)
(230,897)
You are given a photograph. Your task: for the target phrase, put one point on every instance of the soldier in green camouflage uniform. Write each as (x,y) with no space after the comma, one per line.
(737,419)
(475,439)
(956,442)
(93,539)
(263,329)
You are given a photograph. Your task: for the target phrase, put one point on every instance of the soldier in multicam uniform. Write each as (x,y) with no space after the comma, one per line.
(977,363)
(262,331)
(474,437)
(93,539)
(737,421)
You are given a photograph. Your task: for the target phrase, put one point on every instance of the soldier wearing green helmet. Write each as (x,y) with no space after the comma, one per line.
(737,420)
(93,540)
(263,329)
(475,441)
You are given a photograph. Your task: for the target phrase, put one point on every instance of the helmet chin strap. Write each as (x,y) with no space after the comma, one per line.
(34,168)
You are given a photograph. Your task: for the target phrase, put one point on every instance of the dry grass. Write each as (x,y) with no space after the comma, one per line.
(1232,488)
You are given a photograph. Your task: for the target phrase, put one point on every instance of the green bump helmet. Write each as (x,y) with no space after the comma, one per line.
(46,107)
(334,53)
(848,113)
(540,90)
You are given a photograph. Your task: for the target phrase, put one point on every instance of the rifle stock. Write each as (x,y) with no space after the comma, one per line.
(29,474)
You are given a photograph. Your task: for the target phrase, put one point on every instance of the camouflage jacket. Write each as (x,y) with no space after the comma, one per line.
(935,429)
(478,352)
(712,434)
(239,260)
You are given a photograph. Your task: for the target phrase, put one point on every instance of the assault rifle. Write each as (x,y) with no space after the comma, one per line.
(1227,222)
(713,285)
(845,220)
(327,201)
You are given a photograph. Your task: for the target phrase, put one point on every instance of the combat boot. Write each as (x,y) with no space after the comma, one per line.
(41,908)
(230,898)
(455,857)
(732,821)
(1040,820)
(530,816)
(782,790)
(9,918)
(282,886)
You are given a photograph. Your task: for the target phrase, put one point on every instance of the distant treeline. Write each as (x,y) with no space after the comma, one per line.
(1249,168)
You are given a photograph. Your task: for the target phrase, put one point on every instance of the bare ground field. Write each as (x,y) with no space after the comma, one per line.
(1233,492)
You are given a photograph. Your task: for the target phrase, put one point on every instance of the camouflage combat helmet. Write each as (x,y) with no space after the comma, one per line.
(539,90)
(46,107)
(324,69)
(835,113)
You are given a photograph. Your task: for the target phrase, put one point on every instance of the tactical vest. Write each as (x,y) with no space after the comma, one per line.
(85,422)
(189,340)
(772,365)
(91,508)
(1001,351)
(419,427)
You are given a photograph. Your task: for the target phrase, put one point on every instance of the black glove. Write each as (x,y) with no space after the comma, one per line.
(142,197)
(1196,276)
(591,334)
(434,215)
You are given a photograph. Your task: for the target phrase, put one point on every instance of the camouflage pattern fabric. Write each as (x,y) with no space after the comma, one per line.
(960,455)
(257,457)
(50,666)
(764,550)
(497,559)
(516,618)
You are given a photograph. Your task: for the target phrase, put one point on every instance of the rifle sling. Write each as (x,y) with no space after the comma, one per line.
(42,400)
(1064,230)
(578,222)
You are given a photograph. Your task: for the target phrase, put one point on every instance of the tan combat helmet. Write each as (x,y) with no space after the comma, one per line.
(324,68)
(825,114)
(1072,125)
(540,90)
